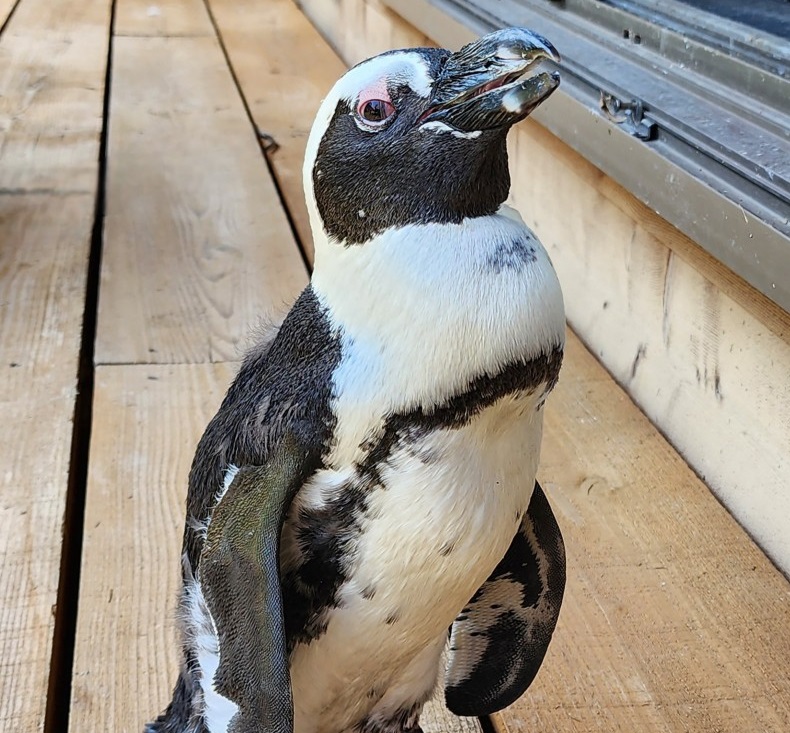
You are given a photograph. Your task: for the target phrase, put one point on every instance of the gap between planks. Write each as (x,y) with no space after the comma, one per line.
(197,247)
(48,175)
(268,146)
(7,8)
(284,68)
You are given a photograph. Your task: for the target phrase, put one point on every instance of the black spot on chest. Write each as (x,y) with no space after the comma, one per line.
(512,254)
(326,536)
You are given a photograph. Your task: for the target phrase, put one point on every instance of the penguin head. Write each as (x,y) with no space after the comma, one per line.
(418,136)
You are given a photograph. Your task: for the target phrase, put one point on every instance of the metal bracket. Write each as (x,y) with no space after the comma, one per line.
(629,115)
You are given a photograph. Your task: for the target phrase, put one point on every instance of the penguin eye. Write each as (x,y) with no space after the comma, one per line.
(376,111)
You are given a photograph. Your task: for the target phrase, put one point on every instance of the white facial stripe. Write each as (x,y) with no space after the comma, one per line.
(400,68)
(438,127)
(404,68)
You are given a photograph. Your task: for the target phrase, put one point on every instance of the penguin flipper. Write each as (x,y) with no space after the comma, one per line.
(498,642)
(238,573)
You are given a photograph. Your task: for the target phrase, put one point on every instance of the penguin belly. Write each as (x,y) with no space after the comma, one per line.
(440,515)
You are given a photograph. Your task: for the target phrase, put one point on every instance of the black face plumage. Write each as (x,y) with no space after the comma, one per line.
(365,182)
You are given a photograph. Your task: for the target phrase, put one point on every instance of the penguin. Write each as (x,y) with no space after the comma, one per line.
(363,519)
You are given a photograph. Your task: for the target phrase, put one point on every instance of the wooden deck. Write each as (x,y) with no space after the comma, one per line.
(143,233)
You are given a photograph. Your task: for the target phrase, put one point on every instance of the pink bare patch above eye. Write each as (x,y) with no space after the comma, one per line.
(378,90)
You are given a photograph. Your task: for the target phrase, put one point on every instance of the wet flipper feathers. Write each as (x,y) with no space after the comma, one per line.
(239,577)
(498,642)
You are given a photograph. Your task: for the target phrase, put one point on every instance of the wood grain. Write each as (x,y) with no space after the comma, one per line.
(673,619)
(284,69)
(147,420)
(197,247)
(162,18)
(53,56)
(43,262)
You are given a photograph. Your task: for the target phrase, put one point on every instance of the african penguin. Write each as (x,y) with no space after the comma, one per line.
(369,480)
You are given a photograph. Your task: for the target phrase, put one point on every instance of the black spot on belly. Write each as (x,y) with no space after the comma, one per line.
(368,592)
(512,254)
(326,536)
(393,618)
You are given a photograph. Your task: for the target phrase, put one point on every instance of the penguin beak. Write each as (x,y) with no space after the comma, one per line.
(480,86)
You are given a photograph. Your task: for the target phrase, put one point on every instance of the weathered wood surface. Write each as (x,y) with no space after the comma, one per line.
(197,247)
(674,620)
(284,69)
(52,67)
(162,18)
(44,244)
(53,56)
(147,419)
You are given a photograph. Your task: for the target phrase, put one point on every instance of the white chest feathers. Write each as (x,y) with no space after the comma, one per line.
(423,310)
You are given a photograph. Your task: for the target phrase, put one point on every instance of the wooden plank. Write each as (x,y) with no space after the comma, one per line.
(53,56)
(673,620)
(162,18)
(284,69)
(197,248)
(43,263)
(147,420)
